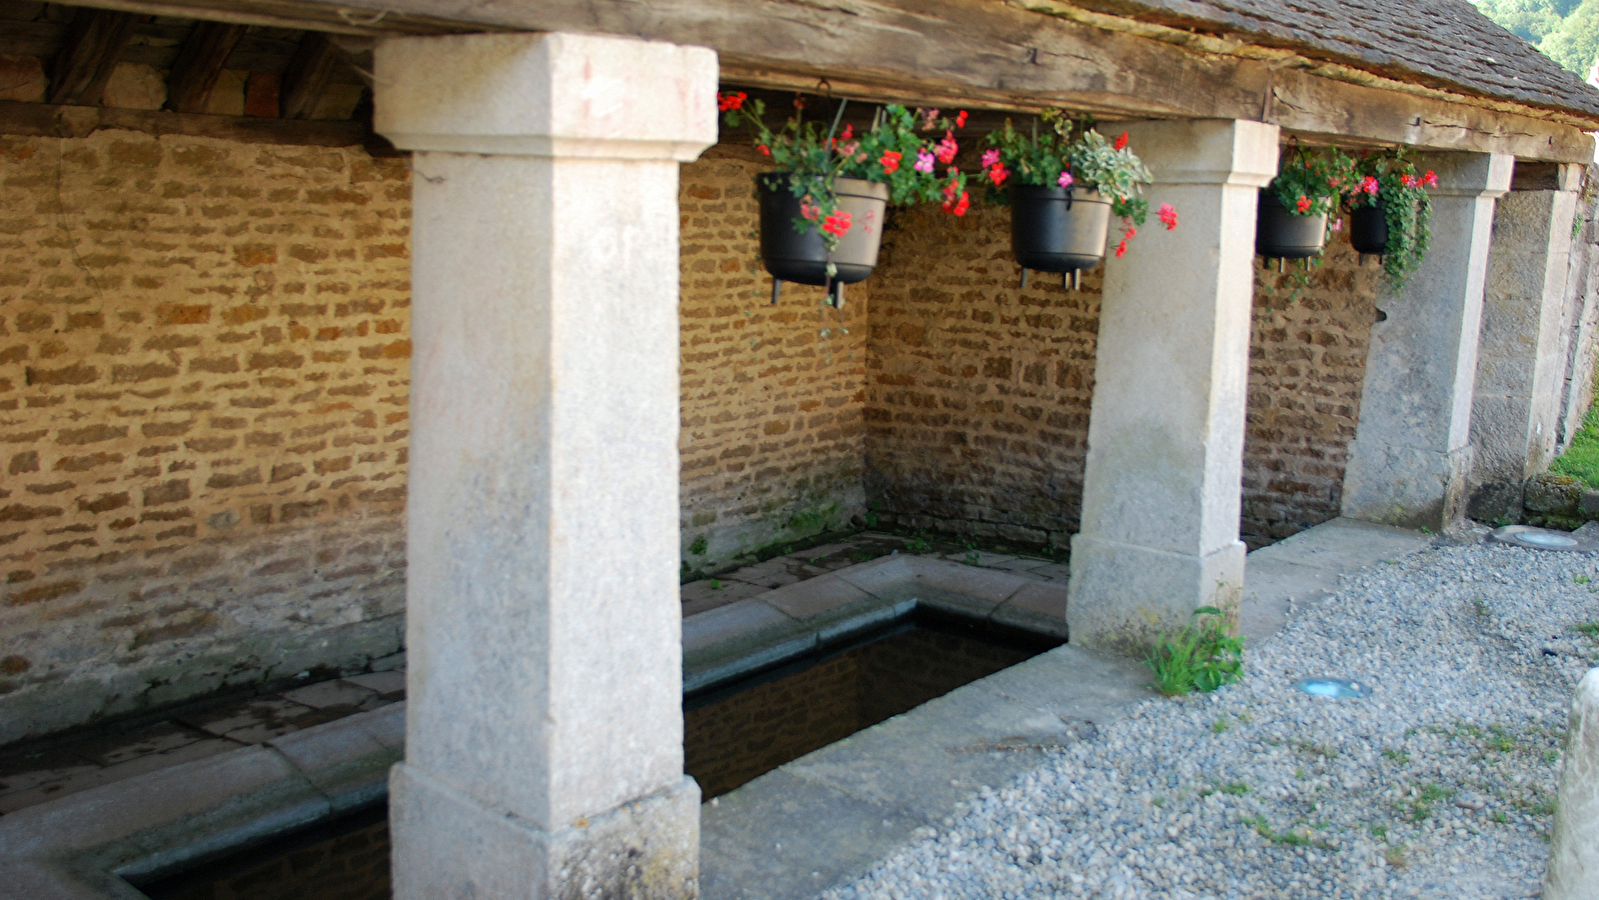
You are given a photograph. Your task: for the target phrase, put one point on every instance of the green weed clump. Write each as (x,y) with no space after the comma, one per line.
(1581,460)
(1201,656)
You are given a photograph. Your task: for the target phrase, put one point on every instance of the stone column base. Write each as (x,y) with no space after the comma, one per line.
(449,844)
(1406,486)
(1123,597)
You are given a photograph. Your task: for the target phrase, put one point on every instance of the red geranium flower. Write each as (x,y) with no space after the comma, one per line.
(1430,179)
(960,120)
(725,102)
(947,148)
(890,160)
(1168,215)
(765,150)
(836,223)
(998,173)
(1121,141)
(1303,203)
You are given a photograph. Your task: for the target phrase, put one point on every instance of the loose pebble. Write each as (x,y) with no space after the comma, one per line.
(1439,784)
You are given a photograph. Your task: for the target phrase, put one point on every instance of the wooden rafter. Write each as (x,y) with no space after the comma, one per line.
(199,63)
(994,53)
(307,76)
(80,70)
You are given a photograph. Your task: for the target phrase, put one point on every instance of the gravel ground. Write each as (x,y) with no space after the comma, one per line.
(1439,784)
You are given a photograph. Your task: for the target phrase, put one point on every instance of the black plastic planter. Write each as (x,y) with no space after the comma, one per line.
(1368,229)
(802,258)
(1058,230)
(1279,234)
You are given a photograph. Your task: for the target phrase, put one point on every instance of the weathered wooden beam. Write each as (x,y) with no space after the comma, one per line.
(82,121)
(307,76)
(971,53)
(83,65)
(199,63)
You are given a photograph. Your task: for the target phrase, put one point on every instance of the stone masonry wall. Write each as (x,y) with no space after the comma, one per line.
(979,391)
(1307,365)
(203,397)
(203,402)
(773,397)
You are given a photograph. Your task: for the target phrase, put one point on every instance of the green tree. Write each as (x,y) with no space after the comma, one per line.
(1575,44)
(1529,20)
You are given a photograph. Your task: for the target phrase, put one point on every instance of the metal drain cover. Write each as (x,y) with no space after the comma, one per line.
(1333,687)
(1543,539)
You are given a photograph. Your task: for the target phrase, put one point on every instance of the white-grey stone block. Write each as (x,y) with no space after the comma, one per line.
(1573,872)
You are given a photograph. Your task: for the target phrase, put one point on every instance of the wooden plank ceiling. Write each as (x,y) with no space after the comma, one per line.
(68,70)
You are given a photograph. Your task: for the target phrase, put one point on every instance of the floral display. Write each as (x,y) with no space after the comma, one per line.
(1389,179)
(813,158)
(1309,183)
(1068,153)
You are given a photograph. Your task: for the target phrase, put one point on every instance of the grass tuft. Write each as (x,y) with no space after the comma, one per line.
(1202,656)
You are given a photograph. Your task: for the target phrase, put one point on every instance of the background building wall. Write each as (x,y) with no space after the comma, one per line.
(978,390)
(1307,365)
(772,396)
(203,402)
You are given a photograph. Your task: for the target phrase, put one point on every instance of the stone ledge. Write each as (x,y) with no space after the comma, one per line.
(85,844)
(1559,501)
(722,644)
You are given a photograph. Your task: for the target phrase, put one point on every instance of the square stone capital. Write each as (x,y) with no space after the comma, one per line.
(554,95)
(1206,151)
(1469,174)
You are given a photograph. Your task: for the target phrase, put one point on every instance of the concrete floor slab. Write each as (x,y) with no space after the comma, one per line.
(1344,545)
(779,838)
(815,597)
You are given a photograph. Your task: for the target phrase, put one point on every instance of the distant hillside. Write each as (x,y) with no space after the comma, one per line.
(1567,31)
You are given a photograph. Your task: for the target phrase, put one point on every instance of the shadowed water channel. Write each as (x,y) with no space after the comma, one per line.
(732,734)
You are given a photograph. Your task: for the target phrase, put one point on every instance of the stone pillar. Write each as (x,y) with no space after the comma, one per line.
(1411,455)
(1573,871)
(1521,355)
(544,734)
(1161,492)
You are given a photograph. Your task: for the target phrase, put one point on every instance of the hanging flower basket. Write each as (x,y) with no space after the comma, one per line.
(1368,229)
(1292,215)
(822,210)
(1391,213)
(803,257)
(1055,229)
(1067,180)
(1281,234)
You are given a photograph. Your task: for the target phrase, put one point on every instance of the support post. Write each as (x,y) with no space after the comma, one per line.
(1159,532)
(1521,359)
(544,734)
(1409,461)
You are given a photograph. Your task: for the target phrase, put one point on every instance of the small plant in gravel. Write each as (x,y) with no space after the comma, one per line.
(1327,751)
(917,545)
(715,585)
(1423,800)
(1395,856)
(1220,725)
(1396,756)
(1235,788)
(1202,656)
(1589,630)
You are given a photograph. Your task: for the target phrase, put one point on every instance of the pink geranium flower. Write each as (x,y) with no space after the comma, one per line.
(1065,180)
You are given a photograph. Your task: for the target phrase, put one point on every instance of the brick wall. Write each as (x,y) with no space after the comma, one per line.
(773,397)
(978,390)
(1307,364)
(203,401)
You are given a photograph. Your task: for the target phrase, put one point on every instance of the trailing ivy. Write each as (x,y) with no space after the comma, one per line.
(1389,178)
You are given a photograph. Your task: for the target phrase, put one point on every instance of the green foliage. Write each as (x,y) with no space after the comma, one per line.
(917,545)
(1389,178)
(1308,183)
(699,546)
(1589,630)
(1581,459)
(1201,656)
(812,156)
(1423,801)
(1073,150)
(1575,43)
(1567,31)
